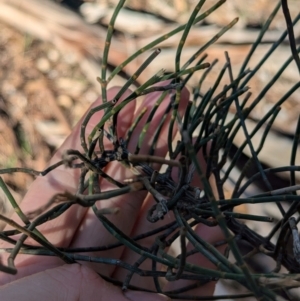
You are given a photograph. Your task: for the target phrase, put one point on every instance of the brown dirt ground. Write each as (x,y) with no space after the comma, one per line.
(42,94)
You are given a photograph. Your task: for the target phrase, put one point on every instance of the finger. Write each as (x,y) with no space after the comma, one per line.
(144,226)
(61,230)
(211,235)
(69,282)
(150,103)
(66,179)
(91,231)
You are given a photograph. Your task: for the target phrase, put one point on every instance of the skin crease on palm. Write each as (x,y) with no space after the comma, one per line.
(48,278)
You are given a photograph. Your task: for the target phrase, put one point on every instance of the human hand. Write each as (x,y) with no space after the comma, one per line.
(47,278)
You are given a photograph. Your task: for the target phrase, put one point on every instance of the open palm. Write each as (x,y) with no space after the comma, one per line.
(47,278)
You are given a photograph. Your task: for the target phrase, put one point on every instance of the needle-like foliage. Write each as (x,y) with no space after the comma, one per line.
(206,126)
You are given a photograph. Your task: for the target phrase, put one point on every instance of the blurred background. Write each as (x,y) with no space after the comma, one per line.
(50,56)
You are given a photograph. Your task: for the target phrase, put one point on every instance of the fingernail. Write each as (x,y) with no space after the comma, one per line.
(138,296)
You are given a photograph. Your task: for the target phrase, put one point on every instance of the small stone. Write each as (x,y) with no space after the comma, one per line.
(53,74)
(70,86)
(43,65)
(90,96)
(77,111)
(70,58)
(53,55)
(65,101)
